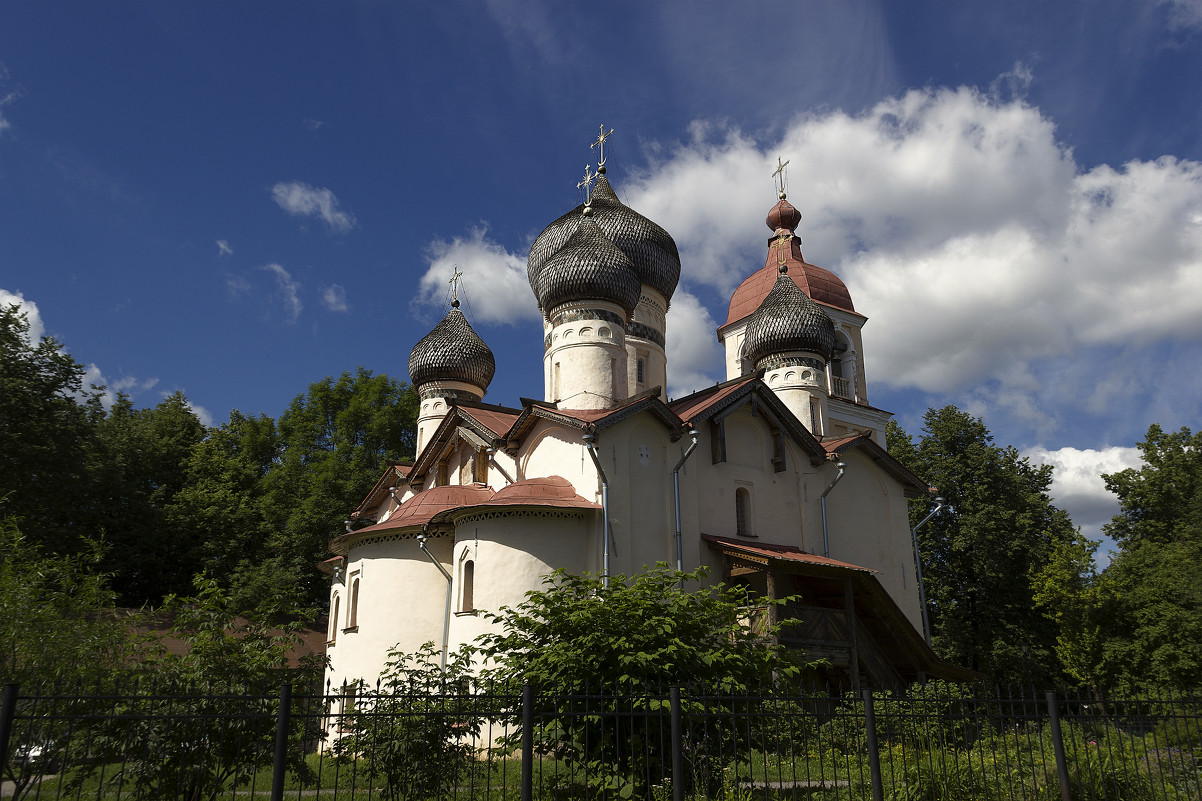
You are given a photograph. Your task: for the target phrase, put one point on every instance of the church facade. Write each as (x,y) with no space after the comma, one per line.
(776,478)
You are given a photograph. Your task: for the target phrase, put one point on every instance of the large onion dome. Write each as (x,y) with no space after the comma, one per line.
(650,248)
(453,351)
(788,320)
(587,266)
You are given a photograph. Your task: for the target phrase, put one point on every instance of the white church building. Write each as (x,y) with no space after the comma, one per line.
(777,478)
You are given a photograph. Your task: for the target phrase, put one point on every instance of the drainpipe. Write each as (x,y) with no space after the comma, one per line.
(922,593)
(676,493)
(590,444)
(446,618)
(826,543)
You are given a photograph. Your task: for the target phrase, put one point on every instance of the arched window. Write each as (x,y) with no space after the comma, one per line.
(467,587)
(334,620)
(352,615)
(742,512)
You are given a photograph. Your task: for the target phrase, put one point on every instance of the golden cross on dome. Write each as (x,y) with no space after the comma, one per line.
(454,282)
(782,243)
(587,182)
(600,145)
(779,175)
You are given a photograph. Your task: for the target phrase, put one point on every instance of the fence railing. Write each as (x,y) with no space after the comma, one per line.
(938,742)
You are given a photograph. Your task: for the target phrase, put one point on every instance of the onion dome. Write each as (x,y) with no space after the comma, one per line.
(650,248)
(587,266)
(783,215)
(788,320)
(453,351)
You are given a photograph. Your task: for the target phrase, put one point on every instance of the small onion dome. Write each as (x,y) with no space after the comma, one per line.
(453,351)
(788,320)
(650,248)
(588,266)
(783,215)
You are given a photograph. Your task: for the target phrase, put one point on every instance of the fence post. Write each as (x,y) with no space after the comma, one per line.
(281,742)
(8,711)
(677,746)
(1066,792)
(874,757)
(527,742)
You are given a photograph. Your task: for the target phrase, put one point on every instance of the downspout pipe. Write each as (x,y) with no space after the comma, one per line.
(922,593)
(826,543)
(676,494)
(446,618)
(590,444)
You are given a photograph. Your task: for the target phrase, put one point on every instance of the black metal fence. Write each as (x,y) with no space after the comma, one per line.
(938,742)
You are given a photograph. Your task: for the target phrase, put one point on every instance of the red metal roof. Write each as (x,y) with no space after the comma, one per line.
(687,407)
(495,421)
(820,284)
(423,506)
(787,553)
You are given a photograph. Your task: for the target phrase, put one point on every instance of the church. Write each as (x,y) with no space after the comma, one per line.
(776,479)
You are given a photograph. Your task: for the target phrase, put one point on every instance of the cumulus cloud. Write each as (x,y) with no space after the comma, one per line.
(223,248)
(334,298)
(93,376)
(984,254)
(302,200)
(494,285)
(34,317)
(1077,485)
(694,356)
(288,290)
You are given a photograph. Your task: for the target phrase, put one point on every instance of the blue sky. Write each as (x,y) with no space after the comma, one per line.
(237,199)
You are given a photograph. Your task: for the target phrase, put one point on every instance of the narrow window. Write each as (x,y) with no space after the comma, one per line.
(555,382)
(467,590)
(742,512)
(334,620)
(778,451)
(352,616)
(480,469)
(640,376)
(442,479)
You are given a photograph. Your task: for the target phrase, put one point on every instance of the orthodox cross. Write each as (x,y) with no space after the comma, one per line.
(454,282)
(587,182)
(779,175)
(600,145)
(782,243)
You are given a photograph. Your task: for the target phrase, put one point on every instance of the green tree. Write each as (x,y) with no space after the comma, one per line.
(220,508)
(1073,595)
(59,633)
(47,429)
(138,468)
(335,441)
(415,729)
(209,721)
(1154,625)
(978,552)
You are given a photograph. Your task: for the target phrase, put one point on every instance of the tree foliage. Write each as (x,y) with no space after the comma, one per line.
(578,631)
(977,553)
(1154,582)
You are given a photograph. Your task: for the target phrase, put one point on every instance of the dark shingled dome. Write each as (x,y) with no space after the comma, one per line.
(588,266)
(788,320)
(452,352)
(650,248)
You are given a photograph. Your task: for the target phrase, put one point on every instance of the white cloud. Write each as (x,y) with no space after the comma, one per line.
(1077,485)
(202,414)
(494,286)
(34,317)
(302,200)
(334,298)
(237,285)
(694,356)
(289,290)
(983,253)
(94,377)
(314,125)
(7,96)
(223,248)
(1184,13)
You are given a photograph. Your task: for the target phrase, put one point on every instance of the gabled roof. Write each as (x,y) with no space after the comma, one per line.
(393,475)
(591,420)
(874,607)
(719,401)
(912,485)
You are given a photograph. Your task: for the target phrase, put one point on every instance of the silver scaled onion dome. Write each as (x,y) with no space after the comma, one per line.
(789,320)
(453,351)
(651,250)
(587,266)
